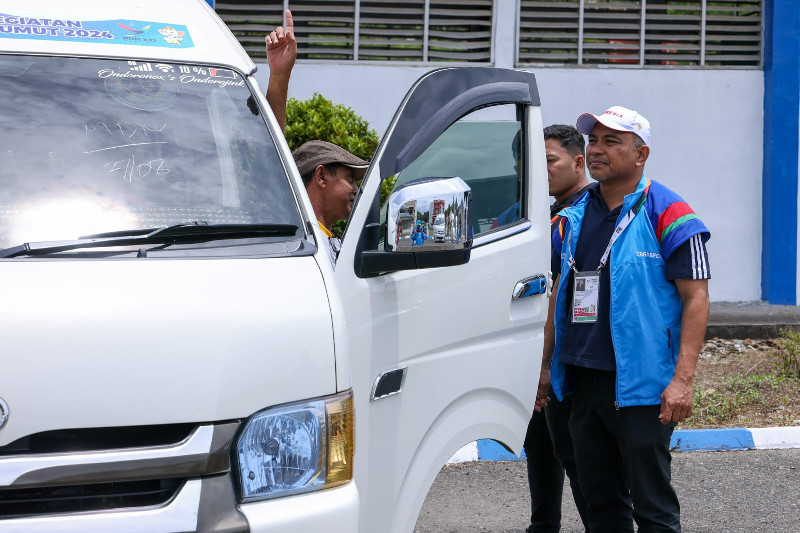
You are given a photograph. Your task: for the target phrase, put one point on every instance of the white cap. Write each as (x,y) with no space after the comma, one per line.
(617,118)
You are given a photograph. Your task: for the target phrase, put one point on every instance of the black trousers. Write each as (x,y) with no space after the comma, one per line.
(548,447)
(622,458)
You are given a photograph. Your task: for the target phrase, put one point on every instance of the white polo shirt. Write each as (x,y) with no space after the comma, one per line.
(333,244)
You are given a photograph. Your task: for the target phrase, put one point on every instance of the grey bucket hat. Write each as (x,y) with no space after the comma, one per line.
(314,153)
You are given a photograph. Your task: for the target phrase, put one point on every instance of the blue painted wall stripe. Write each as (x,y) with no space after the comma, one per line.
(781,123)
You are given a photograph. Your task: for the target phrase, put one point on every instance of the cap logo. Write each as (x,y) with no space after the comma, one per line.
(609,112)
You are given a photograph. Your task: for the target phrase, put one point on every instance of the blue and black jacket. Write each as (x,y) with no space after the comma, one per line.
(645,314)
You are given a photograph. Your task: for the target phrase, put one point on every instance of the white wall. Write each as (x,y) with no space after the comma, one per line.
(707,145)
(707,138)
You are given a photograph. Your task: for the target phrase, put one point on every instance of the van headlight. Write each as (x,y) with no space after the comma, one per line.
(297,447)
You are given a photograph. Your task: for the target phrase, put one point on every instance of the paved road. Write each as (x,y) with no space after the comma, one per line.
(720,492)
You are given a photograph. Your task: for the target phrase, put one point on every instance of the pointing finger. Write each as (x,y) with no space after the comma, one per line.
(289,21)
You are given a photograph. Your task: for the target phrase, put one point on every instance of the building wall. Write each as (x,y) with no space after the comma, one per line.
(706,145)
(707,141)
(707,138)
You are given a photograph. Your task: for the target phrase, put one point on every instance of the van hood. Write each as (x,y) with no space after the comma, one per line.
(91,343)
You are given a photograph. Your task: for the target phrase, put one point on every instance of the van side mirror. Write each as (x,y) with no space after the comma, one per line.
(428,224)
(429,214)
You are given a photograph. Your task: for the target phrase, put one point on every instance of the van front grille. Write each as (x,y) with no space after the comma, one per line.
(23,502)
(98,439)
(142,469)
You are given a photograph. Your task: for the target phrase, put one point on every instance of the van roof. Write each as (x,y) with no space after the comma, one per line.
(187,31)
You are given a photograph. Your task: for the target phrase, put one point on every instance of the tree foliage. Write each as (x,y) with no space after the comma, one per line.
(320,119)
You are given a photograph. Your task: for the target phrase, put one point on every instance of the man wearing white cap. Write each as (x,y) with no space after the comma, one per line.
(626,324)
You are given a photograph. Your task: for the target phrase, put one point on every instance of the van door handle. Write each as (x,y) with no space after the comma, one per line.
(529,286)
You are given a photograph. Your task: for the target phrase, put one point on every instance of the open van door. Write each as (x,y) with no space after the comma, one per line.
(446,337)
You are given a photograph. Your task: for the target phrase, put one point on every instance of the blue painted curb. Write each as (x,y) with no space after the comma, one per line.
(491,450)
(687,440)
(692,440)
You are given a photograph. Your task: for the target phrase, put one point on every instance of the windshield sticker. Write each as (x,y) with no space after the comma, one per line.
(143,93)
(162,72)
(131,32)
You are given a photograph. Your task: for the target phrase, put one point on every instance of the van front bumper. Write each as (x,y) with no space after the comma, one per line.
(306,513)
(197,491)
(325,510)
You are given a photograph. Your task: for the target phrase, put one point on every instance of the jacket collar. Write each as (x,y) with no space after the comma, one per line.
(631,199)
(555,207)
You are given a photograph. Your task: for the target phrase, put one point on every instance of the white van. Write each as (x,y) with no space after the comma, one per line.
(438,228)
(179,354)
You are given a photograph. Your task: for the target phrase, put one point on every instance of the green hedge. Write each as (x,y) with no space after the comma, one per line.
(320,119)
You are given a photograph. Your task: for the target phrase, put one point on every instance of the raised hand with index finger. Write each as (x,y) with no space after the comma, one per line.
(282,48)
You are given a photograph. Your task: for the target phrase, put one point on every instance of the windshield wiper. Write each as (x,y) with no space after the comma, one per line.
(187,232)
(181,228)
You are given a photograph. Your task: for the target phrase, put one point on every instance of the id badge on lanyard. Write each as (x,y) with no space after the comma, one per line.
(585,292)
(586,284)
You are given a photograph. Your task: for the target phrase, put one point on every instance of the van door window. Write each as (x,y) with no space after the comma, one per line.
(484,148)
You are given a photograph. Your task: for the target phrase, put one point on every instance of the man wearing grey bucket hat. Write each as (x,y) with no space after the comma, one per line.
(329,171)
(329,174)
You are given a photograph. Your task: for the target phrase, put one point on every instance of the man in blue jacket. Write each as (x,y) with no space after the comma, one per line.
(626,324)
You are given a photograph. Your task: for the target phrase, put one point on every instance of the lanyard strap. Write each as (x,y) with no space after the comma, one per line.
(622,226)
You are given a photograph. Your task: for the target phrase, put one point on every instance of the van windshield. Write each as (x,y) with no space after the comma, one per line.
(91,146)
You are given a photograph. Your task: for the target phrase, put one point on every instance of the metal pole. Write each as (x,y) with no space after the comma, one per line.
(426,30)
(642,29)
(580,32)
(356,29)
(517,36)
(703,34)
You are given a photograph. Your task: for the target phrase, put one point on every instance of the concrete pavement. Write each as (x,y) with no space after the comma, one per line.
(730,492)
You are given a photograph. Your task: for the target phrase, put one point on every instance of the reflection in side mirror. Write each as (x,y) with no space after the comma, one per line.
(429,214)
